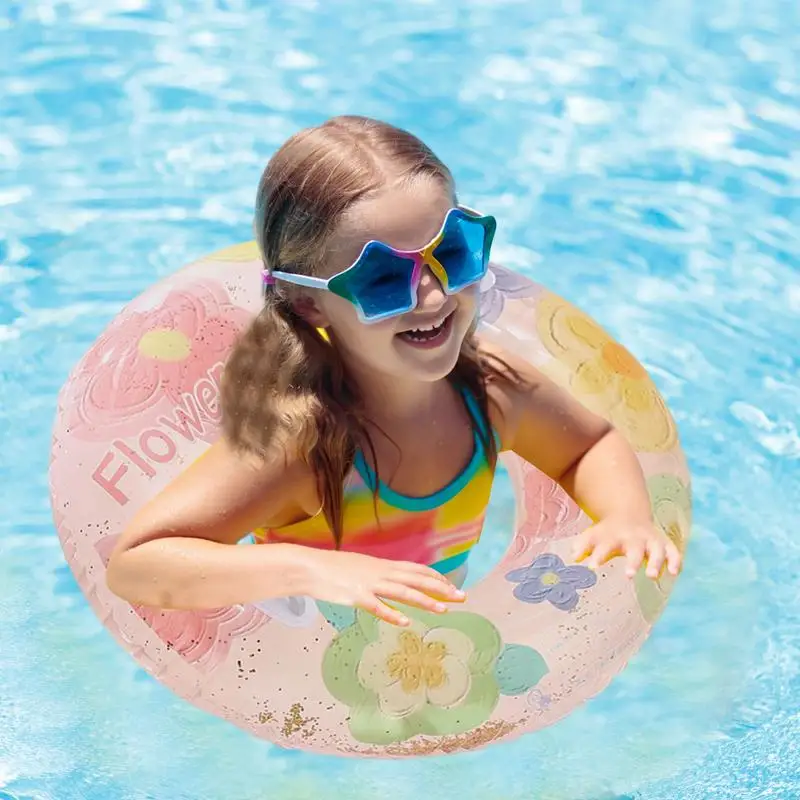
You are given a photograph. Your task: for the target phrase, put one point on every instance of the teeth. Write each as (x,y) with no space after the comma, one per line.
(428,327)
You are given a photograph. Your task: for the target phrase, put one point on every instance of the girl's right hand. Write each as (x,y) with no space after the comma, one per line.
(361,581)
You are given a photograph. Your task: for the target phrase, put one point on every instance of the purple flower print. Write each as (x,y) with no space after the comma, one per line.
(548,578)
(498,284)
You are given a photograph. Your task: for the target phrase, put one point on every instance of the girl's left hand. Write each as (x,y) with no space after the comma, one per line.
(637,541)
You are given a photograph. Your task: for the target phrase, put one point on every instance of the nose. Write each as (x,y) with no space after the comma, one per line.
(430,294)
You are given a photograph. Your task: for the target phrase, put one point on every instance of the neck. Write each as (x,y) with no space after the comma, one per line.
(395,403)
(389,401)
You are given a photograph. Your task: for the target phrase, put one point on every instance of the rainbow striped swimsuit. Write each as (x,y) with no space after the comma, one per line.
(438,530)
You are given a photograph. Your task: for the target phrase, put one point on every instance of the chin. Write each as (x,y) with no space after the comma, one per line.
(430,367)
(433,373)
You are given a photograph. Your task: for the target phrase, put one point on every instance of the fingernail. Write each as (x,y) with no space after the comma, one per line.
(404,620)
(441,607)
(459,593)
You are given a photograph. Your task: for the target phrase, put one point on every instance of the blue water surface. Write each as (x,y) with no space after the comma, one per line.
(643,161)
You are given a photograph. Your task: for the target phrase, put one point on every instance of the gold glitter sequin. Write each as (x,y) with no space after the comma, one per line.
(295,722)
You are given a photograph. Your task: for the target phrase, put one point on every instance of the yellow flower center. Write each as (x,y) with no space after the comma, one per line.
(164,344)
(621,361)
(550,579)
(417,663)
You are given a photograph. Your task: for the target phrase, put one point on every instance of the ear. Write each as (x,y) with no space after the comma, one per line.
(306,308)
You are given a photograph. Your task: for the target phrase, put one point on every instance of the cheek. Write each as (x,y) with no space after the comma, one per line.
(378,336)
(359,338)
(468,299)
(342,316)
(378,347)
(338,310)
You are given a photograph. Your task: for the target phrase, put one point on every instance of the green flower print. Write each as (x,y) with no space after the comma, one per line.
(438,676)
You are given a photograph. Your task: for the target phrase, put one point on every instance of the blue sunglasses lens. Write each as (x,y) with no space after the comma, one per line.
(462,252)
(381,283)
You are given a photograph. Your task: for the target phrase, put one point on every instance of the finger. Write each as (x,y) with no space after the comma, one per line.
(603,553)
(656,554)
(378,608)
(442,590)
(674,558)
(583,547)
(411,597)
(635,556)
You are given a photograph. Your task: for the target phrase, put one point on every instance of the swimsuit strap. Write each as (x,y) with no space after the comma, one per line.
(446,493)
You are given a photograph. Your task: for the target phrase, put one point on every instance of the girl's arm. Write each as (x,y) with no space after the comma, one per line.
(178,551)
(181,551)
(594,464)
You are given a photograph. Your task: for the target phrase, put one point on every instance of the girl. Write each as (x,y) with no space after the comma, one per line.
(362,415)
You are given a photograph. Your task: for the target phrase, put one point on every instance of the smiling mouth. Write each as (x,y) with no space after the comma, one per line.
(428,335)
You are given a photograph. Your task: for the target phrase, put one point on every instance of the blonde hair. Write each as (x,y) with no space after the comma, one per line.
(283,383)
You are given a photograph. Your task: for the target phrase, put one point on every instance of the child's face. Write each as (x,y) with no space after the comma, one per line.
(407,218)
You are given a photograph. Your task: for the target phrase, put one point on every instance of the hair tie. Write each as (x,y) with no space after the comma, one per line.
(268,278)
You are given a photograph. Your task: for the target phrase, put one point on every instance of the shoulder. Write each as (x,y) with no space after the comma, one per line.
(522,395)
(226,493)
(538,419)
(278,479)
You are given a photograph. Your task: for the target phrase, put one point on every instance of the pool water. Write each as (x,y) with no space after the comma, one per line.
(642,161)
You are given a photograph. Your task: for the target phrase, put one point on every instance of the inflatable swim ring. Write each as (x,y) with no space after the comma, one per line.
(537,637)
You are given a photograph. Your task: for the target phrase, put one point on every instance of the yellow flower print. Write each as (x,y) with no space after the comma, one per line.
(436,677)
(605,376)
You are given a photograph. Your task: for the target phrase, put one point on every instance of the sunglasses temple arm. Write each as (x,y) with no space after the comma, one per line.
(302,280)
